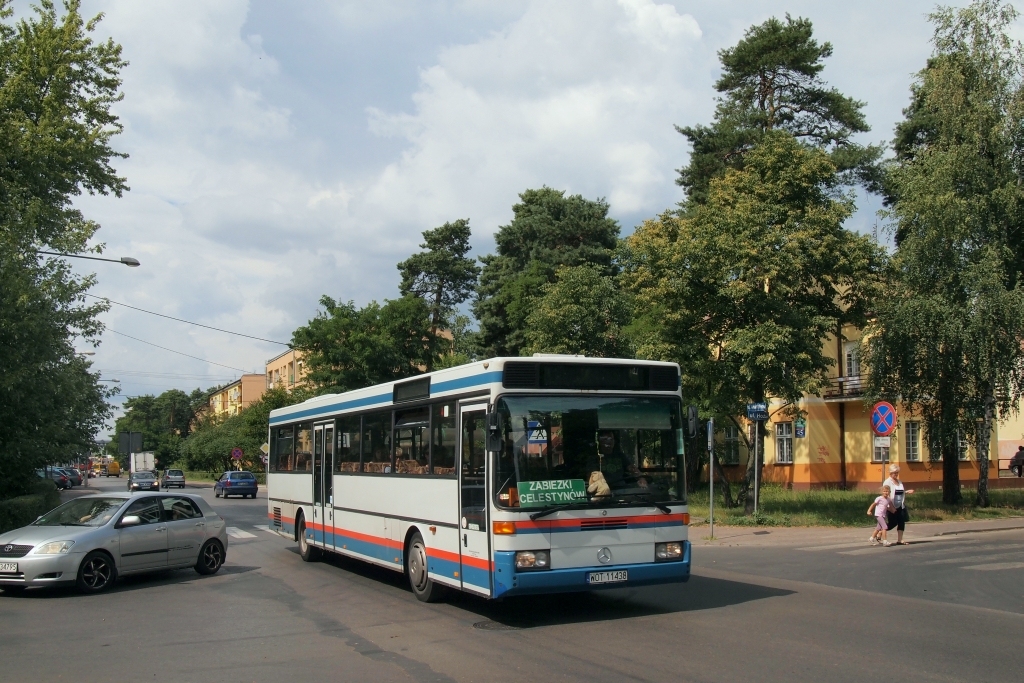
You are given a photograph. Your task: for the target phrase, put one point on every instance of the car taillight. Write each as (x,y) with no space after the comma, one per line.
(227,482)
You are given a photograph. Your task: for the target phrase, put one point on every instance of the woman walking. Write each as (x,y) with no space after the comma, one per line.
(899,493)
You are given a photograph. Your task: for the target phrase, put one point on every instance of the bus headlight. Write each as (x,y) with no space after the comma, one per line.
(533,559)
(666,552)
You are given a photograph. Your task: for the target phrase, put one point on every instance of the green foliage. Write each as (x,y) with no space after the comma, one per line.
(23,510)
(771,81)
(948,336)
(442,275)
(743,291)
(582,312)
(56,88)
(208,448)
(163,420)
(346,348)
(548,230)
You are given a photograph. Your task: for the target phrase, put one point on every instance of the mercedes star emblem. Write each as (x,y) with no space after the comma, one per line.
(604,556)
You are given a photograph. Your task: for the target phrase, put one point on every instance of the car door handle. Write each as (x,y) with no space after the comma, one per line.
(160,528)
(200,523)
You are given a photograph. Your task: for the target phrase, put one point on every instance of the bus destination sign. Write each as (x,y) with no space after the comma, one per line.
(535,494)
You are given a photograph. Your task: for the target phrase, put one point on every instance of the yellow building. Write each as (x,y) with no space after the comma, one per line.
(285,370)
(233,398)
(836,446)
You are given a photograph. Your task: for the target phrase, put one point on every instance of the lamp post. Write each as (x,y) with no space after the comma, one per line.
(126,260)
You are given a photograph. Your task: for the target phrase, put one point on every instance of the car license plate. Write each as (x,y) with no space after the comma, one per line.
(9,567)
(607,577)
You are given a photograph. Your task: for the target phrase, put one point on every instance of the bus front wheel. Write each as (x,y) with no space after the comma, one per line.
(307,552)
(423,587)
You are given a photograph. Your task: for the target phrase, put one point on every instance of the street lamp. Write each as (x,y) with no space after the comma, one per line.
(127,260)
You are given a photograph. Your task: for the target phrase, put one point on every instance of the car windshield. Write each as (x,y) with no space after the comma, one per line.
(589,450)
(143,475)
(175,473)
(242,475)
(82,512)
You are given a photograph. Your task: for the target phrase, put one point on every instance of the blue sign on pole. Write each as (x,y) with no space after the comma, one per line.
(883,419)
(757,411)
(800,428)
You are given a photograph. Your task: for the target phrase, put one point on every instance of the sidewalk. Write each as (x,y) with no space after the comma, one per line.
(729,536)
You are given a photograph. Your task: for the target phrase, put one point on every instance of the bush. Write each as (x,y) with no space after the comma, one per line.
(17,512)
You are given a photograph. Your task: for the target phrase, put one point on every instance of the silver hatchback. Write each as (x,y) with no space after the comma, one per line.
(92,540)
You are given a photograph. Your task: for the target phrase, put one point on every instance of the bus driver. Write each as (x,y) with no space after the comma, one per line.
(618,470)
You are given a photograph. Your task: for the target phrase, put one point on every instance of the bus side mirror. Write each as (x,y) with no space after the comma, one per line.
(494,431)
(692,421)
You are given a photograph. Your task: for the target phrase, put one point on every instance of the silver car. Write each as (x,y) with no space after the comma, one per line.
(91,540)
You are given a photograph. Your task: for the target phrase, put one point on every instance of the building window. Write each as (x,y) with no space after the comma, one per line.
(961,445)
(880,454)
(784,443)
(913,437)
(732,446)
(851,360)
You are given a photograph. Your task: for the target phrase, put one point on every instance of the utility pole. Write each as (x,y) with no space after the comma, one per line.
(711,474)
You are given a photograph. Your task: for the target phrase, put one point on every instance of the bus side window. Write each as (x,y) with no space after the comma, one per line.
(412,443)
(304,447)
(474,501)
(443,438)
(282,454)
(346,451)
(377,442)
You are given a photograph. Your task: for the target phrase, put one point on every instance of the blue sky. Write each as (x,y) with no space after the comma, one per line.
(282,151)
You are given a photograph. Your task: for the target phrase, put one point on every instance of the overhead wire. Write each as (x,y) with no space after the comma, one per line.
(180,353)
(187,322)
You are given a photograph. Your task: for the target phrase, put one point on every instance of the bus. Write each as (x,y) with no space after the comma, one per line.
(502,477)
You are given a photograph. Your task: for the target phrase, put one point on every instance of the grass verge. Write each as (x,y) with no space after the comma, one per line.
(835,508)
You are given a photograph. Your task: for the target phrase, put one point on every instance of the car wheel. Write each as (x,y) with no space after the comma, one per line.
(307,552)
(423,587)
(96,573)
(211,557)
(216,493)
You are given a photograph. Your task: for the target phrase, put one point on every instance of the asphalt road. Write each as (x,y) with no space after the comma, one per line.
(946,610)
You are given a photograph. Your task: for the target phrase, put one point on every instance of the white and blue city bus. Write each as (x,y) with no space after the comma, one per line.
(502,477)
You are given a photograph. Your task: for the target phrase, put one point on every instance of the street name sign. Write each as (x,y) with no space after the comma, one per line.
(757,411)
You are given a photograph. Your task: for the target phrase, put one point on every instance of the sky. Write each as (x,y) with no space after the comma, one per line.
(278,152)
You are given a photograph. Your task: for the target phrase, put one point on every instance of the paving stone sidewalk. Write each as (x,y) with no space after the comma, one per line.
(726,536)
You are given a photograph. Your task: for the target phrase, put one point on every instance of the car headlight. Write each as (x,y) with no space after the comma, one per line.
(54,548)
(533,559)
(665,552)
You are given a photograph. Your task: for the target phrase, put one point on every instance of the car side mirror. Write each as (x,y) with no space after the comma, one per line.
(130,520)
(691,421)
(494,431)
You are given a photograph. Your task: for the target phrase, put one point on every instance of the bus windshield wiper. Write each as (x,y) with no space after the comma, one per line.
(555,508)
(661,506)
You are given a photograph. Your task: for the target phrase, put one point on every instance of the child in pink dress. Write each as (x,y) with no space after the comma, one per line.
(880,508)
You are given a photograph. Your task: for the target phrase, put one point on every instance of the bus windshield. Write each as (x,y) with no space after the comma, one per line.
(581,451)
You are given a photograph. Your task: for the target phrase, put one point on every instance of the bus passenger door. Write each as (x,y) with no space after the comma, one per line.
(329,485)
(474,550)
(323,529)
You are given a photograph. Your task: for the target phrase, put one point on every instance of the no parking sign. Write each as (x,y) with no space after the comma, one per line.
(883,419)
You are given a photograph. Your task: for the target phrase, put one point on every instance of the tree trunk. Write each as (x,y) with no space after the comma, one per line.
(723,482)
(984,443)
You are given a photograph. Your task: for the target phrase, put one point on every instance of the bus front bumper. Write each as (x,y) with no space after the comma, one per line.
(509,582)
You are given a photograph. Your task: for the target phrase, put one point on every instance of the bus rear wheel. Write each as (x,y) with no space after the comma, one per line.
(423,587)
(307,551)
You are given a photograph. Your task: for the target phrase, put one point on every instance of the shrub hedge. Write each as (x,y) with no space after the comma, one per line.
(17,512)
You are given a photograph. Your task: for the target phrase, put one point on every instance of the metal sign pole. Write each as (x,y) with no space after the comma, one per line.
(757,462)
(711,475)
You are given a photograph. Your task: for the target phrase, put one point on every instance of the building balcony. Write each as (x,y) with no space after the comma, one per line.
(840,388)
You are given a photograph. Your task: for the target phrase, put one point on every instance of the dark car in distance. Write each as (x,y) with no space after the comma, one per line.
(236,484)
(58,477)
(143,481)
(73,475)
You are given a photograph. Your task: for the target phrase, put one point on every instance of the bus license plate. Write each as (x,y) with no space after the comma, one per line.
(607,577)
(9,567)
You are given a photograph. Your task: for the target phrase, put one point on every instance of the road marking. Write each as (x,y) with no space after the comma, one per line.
(974,558)
(264,527)
(235,532)
(995,566)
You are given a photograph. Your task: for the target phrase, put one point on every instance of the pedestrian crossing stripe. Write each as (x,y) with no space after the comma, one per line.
(235,532)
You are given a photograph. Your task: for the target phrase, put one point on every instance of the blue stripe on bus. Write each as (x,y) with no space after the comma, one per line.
(464,382)
(440,387)
(334,407)
(479,578)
